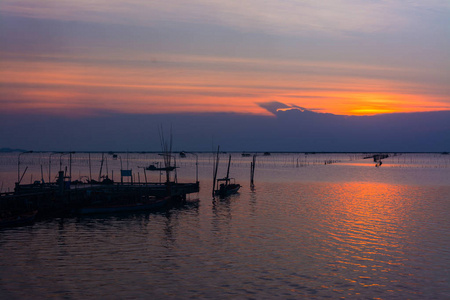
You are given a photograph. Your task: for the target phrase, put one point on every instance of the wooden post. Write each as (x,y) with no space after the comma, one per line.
(252,170)
(70,166)
(101,167)
(90,169)
(216,166)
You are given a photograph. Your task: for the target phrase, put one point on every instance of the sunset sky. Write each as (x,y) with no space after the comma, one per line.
(345,57)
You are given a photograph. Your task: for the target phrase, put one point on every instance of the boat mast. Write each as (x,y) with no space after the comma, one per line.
(228,169)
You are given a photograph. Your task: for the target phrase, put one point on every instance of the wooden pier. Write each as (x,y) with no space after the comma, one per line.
(63,197)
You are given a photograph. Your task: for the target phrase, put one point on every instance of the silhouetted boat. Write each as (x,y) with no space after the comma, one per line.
(226,186)
(17,219)
(245,154)
(105,180)
(154,168)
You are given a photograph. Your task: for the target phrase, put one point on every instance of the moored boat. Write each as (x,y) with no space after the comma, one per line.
(154,168)
(225,186)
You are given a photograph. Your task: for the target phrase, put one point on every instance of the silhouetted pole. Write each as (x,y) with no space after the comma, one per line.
(70,166)
(145,174)
(18,165)
(42,174)
(60,161)
(101,167)
(49,166)
(228,169)
(196,165)
(106,164)
(121,170)
(252,170)
(90,169)
(216,166)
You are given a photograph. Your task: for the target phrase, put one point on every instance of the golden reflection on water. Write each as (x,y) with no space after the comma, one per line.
(325,230)
(368,227)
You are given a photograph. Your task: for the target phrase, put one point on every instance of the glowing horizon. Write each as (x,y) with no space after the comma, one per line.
(73,59)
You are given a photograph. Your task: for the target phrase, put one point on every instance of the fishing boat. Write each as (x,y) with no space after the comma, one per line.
(17,219)
(225,186)
(154,168)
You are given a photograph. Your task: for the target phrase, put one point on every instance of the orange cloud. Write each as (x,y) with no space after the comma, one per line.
(177,84)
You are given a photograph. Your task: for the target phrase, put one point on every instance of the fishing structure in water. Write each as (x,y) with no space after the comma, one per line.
(64,196)
(377,158)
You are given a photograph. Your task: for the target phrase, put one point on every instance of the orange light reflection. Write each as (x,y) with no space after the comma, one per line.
(367,229)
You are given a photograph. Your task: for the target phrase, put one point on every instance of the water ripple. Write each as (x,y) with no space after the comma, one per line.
(290,239)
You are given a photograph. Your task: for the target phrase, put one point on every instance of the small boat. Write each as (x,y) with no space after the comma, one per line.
(225,186)
(154,168)
(103,208)
(245,154)
(17,219)
(106,181)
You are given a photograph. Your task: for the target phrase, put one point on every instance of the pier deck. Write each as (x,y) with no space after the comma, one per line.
(55,199)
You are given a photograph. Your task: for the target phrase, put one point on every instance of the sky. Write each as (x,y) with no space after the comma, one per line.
(97,59)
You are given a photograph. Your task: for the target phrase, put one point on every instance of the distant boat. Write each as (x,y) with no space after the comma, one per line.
(154,168)
(106,181)
(18,219)
(245,154)
(226,186)
(266,153)
(182,154)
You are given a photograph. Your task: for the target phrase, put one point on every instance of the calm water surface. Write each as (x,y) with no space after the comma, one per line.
(344,229)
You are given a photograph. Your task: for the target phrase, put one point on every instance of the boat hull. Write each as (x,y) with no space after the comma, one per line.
(228,190)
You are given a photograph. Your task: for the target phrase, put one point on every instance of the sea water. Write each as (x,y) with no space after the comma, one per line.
(317,225)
